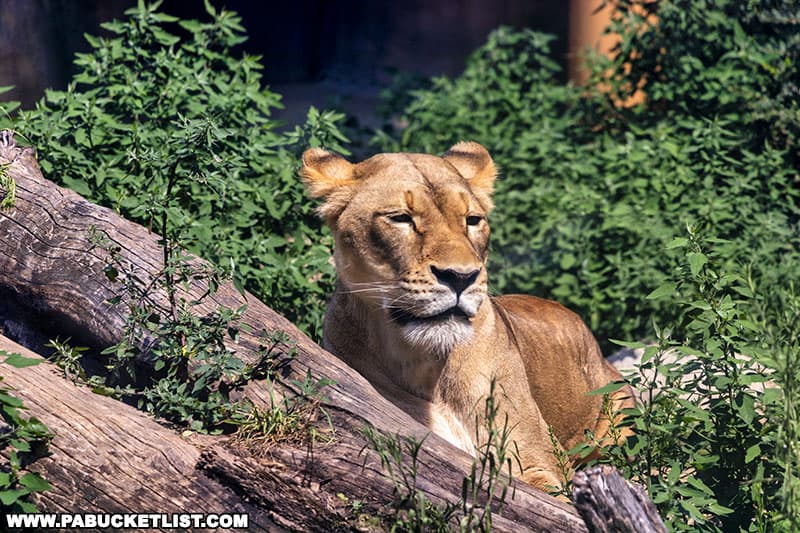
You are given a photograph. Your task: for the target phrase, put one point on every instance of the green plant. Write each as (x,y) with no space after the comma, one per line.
(711,58)
(68,359)
(191,365)
(715,437)
(194,371)
(290,418)
(564,463)
(166,125)
(27,439)
(485,489)
(8,188)
(413,510)
(359,516)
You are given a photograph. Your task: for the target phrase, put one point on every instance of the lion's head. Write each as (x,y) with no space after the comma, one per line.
(411,236)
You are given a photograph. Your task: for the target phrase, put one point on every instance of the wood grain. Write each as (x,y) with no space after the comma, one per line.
(609,503)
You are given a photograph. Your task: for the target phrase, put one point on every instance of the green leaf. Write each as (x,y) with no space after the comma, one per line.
(11,401)
(81,138)
(111,273)
(747,411)
(27,507)
(18,361)
(698,484)
(692,509)
(611,387)
(21,445)
(34,482)
(629,344)
(694,411)
(664,290)
(751,453)
(9,497)
(191,26)
(79,186)
(568,261)
(94,42)
(165,38)
(674,473)
(679,242)
(696,262)
(718,509)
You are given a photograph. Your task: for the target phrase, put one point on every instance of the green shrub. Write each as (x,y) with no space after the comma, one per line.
(163,120)
(23,440)
(713,58)
(716,435)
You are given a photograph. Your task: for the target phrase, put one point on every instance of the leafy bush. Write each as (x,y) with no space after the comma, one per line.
(22,441)
(713,58)
(163,123)
(716,434)
(166,126)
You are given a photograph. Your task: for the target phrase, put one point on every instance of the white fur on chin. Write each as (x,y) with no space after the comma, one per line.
(437,337)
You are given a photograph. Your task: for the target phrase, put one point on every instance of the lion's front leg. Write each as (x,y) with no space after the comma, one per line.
(538,452)
(488,413)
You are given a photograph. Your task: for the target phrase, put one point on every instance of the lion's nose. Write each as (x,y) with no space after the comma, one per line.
(457,280)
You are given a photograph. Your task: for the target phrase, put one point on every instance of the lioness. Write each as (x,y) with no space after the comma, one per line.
(412,314)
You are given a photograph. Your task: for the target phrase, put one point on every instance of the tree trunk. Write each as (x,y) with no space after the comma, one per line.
(107,456)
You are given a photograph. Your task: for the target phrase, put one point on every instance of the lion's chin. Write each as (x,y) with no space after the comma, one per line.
(437,335)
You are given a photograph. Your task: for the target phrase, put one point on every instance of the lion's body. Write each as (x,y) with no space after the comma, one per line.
(412,314)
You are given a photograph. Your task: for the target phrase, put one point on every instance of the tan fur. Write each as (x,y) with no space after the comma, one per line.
(412,314)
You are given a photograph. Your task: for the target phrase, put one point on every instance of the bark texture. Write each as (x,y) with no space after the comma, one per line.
(608,503)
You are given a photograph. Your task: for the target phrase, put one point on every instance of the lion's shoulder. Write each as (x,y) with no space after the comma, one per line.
(541,326)
(533,311)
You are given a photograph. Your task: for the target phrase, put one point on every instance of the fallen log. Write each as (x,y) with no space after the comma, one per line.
(608,503)
(109,457)
(52,284)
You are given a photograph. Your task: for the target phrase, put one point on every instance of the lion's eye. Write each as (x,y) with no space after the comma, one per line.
(474,220)
(401,218)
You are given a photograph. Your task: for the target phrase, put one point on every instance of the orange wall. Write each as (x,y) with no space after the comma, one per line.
(586,26)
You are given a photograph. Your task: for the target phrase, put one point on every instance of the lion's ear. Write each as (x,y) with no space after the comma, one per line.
(330,177)
(475,165)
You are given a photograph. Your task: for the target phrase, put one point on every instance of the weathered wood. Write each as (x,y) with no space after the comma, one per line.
(610,504)
(110,457)
(49,272)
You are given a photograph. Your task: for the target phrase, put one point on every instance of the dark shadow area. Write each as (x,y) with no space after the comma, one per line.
(315,52)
